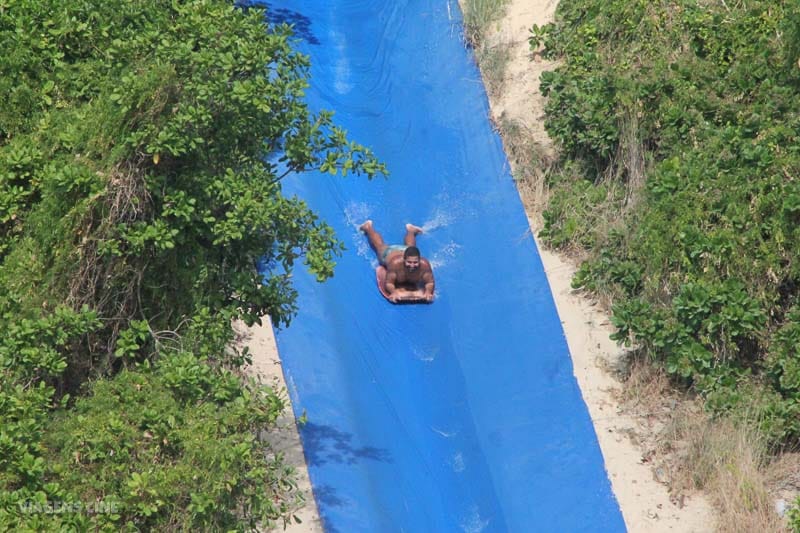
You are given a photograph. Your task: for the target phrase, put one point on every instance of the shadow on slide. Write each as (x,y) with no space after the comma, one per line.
(323,444)
(301,25)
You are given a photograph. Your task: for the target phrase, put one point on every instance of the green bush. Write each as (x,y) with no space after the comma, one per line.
(142,147)
(173,447)
(700,254)
(794,516)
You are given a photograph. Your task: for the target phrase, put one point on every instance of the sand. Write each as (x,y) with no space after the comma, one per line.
(645,502)
(286,439)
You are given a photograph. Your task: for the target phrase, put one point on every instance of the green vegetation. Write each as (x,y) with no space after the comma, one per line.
(679,122)
(137,194)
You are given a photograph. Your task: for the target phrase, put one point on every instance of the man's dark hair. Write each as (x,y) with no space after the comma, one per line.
(411,251)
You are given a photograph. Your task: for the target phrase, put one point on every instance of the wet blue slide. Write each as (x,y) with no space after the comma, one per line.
(463,415)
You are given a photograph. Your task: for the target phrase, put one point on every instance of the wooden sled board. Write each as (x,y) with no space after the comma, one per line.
(380,275)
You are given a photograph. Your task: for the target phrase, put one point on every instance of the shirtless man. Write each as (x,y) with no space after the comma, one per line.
(407,274)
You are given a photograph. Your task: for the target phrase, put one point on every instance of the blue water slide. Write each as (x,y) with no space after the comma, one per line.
(463,415)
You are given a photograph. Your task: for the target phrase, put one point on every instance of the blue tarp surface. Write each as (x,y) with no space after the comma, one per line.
(463,415)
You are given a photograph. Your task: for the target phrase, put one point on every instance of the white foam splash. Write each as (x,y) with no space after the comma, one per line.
(341,82)
(443,433)
(440,218)
(442,256)
(426,355)
(458,462)
(355,214)
(292,389)
(473,523)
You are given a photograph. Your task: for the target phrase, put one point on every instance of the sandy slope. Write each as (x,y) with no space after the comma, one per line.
(644,502)
(267,366)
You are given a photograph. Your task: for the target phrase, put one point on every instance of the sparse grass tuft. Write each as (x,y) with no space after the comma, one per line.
(531,163)
(493,59)
(478,15)
(726,460)
(691,450)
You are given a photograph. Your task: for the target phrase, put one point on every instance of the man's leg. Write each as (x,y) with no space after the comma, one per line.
(375,239)
(411,235)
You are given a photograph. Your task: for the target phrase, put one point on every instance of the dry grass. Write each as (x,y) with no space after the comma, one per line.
(632,157)
(530,163)
(783,474)
(646,386)
(690,451)
(727,460)
(478,15)
(493,60)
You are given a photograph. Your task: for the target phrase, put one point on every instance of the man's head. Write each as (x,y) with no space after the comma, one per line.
(411,258)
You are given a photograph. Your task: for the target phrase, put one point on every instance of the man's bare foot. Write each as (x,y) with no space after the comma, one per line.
(416,230)
(365,226)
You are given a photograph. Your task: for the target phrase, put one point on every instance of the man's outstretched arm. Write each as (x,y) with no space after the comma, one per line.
(430,284)
(391,279)
(391,288)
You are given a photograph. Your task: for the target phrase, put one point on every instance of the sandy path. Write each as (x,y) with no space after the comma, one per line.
(286,439)
(645,503)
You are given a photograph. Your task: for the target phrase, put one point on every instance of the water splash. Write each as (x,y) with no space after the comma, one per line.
(342,83)
(451,208)
(458,462)
(426,355)
(444,433)
(355,214)
(291,388)
(443,256)
(473,523)
(440,218)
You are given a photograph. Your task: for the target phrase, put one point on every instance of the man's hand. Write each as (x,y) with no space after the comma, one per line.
(428,297)
(395,297)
